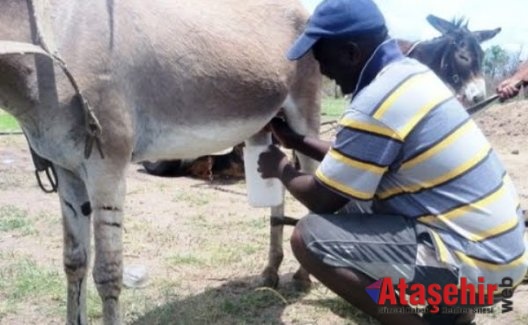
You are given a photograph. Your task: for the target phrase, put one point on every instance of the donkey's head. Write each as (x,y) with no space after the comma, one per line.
(461,57)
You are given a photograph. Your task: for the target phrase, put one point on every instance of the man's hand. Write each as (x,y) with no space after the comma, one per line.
(508,88)
(271,162)
(310,146)
(284,134)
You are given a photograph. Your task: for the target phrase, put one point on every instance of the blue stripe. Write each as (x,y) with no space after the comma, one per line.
(473,185)
(367,147)
(500,249)
(433,128)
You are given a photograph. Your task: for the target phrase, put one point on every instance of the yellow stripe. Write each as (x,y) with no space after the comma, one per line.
(480,236)
(445,94)
(372,128)
(398,92)
(490,266)
(357,164)
(343,188)
(442,249)
(444,253)
(481,154)
(508,225)
(475,206)
(469,125)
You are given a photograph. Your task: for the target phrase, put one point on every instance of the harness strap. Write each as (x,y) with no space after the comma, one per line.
(93,128)
(92,125)
(412,48)
(42,164)
(282,221)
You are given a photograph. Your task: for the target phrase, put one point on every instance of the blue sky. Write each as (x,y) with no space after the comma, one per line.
(406,18)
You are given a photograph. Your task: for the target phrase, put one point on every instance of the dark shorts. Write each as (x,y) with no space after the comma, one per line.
(379,246)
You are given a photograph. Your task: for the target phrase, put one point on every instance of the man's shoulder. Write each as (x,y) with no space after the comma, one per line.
(401,69)
(401,95)
(386,82)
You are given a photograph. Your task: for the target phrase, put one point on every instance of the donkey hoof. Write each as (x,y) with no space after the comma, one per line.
(301,281)
(270,278)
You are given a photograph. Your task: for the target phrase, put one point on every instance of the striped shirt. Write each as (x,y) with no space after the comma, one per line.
(408,147)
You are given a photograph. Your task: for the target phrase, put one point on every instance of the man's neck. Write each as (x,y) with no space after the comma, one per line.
(386,53)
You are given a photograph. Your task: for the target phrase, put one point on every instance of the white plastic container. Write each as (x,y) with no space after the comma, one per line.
(261,192)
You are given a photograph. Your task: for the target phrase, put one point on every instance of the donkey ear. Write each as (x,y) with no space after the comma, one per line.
(484,35)
(441,25)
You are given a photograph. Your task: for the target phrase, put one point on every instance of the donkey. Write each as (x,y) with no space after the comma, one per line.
(153,80)
(456,56)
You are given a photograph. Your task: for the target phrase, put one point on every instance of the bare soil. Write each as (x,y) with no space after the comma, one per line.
(202,244)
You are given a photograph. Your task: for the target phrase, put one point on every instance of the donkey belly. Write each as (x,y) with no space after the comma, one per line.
(209,89)
(181,141)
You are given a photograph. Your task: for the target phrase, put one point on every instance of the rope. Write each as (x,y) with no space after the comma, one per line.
(412,48)
(92,125)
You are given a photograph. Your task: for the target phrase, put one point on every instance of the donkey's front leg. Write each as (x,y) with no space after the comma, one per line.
(76,226)
(107,194)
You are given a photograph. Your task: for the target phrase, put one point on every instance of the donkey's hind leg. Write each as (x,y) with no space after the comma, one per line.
(76,213)
(303,114)
(307,123)
(302,108)
(270,274)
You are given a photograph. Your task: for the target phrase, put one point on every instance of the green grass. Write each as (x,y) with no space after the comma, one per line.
(24,280)
(332,108)
(184,259)
(194,200)
(13,218)
(8,123)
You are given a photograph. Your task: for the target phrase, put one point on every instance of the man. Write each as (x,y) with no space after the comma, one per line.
(410,188)
(510,87)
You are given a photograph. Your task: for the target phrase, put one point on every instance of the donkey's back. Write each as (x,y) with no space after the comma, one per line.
(192,78)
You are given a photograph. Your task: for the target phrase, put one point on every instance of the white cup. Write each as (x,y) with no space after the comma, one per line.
(261,192)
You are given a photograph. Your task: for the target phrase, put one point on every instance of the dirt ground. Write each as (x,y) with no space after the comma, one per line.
(203,246)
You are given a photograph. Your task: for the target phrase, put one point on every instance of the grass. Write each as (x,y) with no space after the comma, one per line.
(332,108)
(15,219)
(23,280)
(184,259)
(8,123)
(193,200)
(234,302)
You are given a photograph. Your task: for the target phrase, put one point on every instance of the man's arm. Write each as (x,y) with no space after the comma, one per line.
(510,87)
(309,146)
(304,187)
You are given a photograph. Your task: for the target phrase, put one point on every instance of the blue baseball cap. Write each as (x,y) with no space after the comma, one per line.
(338,19)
